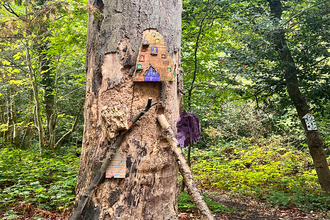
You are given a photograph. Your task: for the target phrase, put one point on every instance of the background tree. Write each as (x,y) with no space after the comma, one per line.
(258,39)
(41,52)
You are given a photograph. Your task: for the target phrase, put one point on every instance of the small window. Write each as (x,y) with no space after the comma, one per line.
(169,69)
(163,56)
(145,42)
(154,51)
(139,66)
(141,58)
(144,49)
(157,41)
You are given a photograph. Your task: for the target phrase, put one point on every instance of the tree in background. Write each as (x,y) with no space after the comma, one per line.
(274,53)
(42,53)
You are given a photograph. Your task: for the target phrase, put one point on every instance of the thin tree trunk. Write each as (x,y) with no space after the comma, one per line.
(2,118)
(195,61)
(149,190)
(73,128)
(34,84)
(48,83)
(2,112)
(13,116)
(8,132)
(314,140)
(37,104)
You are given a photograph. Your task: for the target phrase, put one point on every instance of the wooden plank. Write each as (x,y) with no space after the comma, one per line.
(117,167)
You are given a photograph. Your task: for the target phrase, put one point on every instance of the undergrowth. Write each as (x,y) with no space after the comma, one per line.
(45,181)
(284,176)
(186,205)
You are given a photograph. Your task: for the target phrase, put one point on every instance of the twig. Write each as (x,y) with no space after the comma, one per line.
(100,174)
(185,170)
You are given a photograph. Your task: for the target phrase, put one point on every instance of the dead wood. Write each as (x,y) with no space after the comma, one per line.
(185,171)
(100,174)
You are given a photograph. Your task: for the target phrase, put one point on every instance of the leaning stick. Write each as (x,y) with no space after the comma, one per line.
(185,170)
(100,174)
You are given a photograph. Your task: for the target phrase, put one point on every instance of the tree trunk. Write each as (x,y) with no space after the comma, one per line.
(13,116)
(3,119)
(149,190)
(315,143)
(48,83)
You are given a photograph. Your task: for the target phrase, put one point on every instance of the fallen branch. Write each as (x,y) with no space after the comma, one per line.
(100,174)
(185,170)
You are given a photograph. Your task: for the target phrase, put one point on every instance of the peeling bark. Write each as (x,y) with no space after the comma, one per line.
(149,190)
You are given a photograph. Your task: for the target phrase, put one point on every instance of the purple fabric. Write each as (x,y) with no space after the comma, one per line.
(188,130)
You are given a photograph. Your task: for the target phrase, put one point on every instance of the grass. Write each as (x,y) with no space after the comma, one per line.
(282,175)
(186,205)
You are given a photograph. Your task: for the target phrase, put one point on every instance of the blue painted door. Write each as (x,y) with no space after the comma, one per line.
(151,75)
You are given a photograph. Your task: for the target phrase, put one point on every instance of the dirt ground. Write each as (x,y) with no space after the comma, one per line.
(251,208)
(242,208)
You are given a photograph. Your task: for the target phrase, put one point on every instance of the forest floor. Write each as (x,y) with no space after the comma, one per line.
(256,209)
(241,208)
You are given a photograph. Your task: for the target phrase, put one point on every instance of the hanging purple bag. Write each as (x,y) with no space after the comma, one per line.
(188,130)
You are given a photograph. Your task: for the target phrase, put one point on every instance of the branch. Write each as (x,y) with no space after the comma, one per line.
(100,174)
(74,126)
(185,170)
(195,61)
(10,10)
(302,11)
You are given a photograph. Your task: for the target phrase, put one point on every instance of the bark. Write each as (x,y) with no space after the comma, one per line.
(185,170)
(35,89)
(48,83)
(8,132)
(13,116)
(314,140)
(2,112)
(100,174)
(34,84)
(149,190)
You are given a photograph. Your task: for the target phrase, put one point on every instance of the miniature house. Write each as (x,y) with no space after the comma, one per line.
(153,61)
(310,122)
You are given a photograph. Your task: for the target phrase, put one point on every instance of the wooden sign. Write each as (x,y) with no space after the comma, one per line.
(117,167)
(153,61)
(310,122)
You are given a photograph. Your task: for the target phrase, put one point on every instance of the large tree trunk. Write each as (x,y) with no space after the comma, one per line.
(149,190)
(314,140)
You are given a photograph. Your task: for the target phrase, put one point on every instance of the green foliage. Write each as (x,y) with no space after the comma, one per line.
(46,181)
(229,55)
(186,205)
(263,168)
(41,63)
